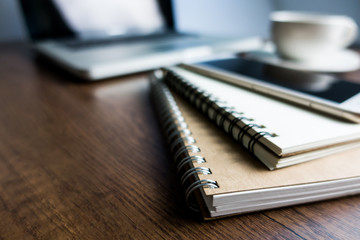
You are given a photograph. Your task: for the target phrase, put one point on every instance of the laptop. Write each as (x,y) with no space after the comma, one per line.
(101,39)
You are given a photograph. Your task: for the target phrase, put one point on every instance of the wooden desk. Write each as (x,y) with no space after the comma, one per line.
(88,161)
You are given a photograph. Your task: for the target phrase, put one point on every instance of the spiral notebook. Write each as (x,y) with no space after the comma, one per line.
(221,179)
(277,133)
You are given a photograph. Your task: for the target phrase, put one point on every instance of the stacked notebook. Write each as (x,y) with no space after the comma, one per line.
(225,140)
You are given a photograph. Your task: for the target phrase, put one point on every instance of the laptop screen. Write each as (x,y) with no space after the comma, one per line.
(49,19)
(94,18)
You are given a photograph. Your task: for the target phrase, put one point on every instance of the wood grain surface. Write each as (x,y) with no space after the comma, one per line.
(82,160)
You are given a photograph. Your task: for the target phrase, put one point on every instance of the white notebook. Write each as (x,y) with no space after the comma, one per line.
(278,133)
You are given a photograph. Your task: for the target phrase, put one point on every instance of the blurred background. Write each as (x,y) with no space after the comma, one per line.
(212,17)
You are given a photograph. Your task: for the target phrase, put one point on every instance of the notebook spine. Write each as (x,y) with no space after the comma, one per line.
(181,144)
(238,125)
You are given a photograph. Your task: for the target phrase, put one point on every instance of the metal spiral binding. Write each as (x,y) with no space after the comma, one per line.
(193,171)
(186,160)
(228,111)
(244,129)
(195,185)
(234,122)
(181,132)
(204,101)
(201,100)
(181,143)
(185,149)
(255,138)
(175,126)
(176,142)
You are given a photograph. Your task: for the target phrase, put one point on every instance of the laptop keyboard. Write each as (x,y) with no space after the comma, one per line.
(79,44)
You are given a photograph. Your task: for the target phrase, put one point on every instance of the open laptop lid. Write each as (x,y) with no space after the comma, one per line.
(54,19)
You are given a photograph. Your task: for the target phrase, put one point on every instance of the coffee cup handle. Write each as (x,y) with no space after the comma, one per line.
(351,33)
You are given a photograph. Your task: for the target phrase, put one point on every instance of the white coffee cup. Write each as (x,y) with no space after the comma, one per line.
(305,36)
